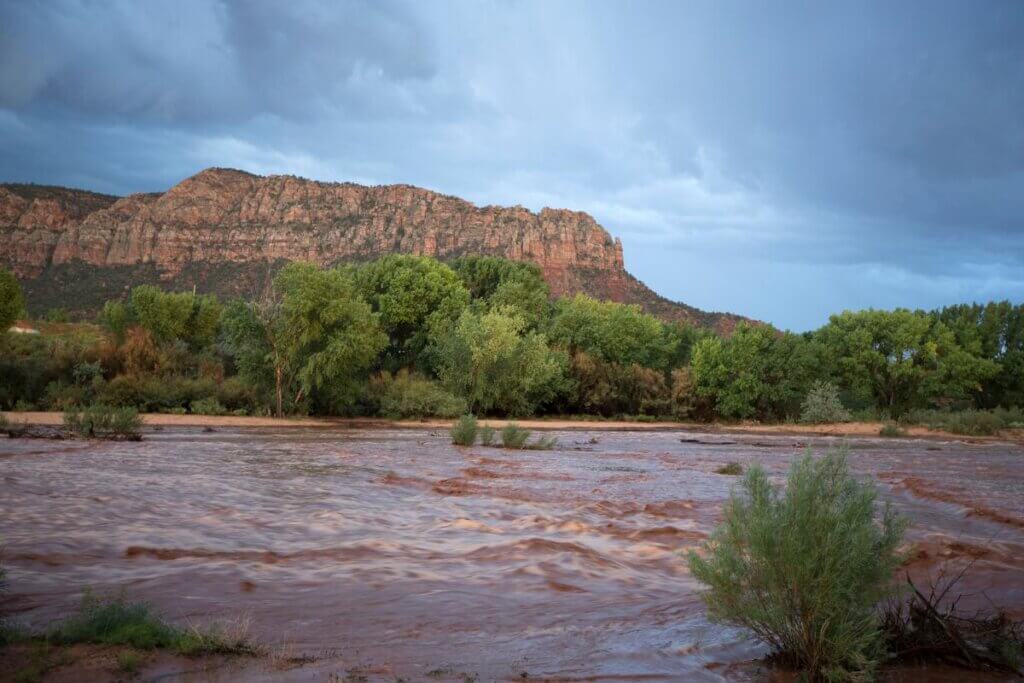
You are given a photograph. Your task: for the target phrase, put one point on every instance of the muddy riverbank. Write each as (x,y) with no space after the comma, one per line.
(389,553)
(849,429)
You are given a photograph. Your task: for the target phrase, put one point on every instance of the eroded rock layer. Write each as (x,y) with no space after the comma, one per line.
(225,231)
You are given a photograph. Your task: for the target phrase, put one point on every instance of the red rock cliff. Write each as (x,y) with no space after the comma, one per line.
(225,216)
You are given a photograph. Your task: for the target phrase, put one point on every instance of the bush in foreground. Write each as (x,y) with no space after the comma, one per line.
(104,422)
(464,431)
(804,569)
(822,405)
(118,622)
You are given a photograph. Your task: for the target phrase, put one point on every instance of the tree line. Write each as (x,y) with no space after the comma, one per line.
(409,336)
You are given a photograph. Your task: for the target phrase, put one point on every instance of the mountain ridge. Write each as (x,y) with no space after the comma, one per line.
(226,231)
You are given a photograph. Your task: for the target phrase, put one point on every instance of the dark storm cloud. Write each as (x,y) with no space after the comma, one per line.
(783,160)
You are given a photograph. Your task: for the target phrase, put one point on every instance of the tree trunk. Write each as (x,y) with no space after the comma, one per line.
(278,388)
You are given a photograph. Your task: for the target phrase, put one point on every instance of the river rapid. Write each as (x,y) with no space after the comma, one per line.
(392,553)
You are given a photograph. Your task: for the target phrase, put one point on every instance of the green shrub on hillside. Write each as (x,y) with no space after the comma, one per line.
(805,568)
(12,301)
(464,431)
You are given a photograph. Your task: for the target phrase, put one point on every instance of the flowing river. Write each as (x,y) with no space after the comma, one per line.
(392,554)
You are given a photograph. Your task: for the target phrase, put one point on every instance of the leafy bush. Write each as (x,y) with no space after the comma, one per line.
(514,436)
(56,315)
(486,435)
(823,405)
(805,569)
(104,422)
(733,469)
(206,406)
(407,394)
(464,431)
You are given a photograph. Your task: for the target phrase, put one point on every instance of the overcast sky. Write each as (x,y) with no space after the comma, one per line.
(779,160)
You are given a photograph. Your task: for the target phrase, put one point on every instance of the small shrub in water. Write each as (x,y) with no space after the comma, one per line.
(514,436)
(464,431)
(543,443)
(733,469)
(823,405)
(804,569)
(486,435)
(104,422)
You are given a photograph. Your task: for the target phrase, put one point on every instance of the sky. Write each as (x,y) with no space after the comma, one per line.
(781,160)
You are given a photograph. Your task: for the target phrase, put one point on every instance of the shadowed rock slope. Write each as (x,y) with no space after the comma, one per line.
(227,231)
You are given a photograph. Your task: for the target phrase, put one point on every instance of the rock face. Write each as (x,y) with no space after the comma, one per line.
(224,224)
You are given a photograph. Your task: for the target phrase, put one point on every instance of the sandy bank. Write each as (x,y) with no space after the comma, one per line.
(852,429)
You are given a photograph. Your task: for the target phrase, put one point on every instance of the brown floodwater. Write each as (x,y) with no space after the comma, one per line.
(392,553)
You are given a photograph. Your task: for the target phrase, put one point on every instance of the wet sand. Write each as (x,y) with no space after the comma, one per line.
(390,553)
(850,429)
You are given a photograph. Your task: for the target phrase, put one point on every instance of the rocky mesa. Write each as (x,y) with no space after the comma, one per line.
(227,231)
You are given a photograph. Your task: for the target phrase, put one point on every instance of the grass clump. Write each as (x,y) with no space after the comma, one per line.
(732,469)
(464,431)
(891,430)
(514,436)
(134,624)
(128,661)
(486,435)
(104,422)
(822,405)
(805,568)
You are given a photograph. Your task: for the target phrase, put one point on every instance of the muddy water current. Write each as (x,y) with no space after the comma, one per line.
(395,554)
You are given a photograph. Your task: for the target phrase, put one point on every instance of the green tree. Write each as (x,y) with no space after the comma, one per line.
(901,358)
(733,372)
(115,317)
(500,283)
(255,335)
(995,332)
(412,295)
(165,315)
(333,332)
(616,333)
(12,300)
(173,316)
(494,362)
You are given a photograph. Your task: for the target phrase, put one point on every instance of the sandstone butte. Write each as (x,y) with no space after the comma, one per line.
(227,231)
